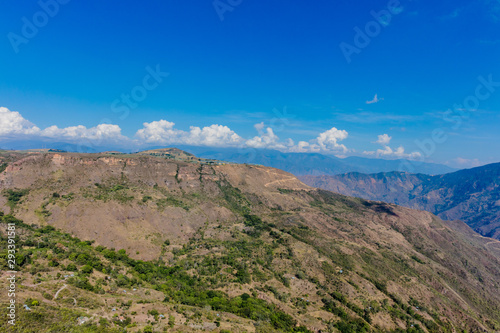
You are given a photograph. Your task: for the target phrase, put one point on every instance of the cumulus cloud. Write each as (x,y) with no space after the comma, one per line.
(384,139)
(214,135)
(12,123)
(267,139)
(100,132)
(328,141)
(389,152)
(160,131)
(304,147)
(259,127)
(163,132)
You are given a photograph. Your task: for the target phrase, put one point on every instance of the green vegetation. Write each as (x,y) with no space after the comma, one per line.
(14,196)
(113,189)
(270,259)
(172,202)
(198,290)
(43,213)
(234,198)
(417,259)
(258,226)
(178,286)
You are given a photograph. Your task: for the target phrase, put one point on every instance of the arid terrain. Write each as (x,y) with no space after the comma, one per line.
(146,243)
(470,195)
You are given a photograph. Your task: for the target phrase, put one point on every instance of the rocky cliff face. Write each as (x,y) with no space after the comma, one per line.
(472,195)
(322,258)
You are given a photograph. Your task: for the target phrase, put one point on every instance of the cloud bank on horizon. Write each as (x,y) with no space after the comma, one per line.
(13,126)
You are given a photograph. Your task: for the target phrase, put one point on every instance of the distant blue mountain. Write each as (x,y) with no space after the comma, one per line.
(299,164)
(314,163)
(70,147)
(470,195)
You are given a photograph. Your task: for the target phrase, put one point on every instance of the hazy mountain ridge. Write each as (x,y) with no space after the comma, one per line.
(250,235)
(471,195)
(295,163)
(315,163)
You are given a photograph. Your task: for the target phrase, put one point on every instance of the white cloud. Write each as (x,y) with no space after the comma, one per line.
(259,127)
(384,139)
(11,122)
(467,163)
(214,135)
(304,147)
(100,132)
(398,152)
(375,100)
(266,139)
(387,151)
(328,141)
(163,132)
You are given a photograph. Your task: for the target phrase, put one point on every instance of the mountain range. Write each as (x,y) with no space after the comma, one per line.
(470,195)
(295,163)
(315,163)
(164,241)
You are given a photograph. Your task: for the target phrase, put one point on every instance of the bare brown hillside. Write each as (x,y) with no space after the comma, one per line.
(122,219)
(340,252)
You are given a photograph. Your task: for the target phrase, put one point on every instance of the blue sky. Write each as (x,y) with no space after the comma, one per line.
(421,83)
